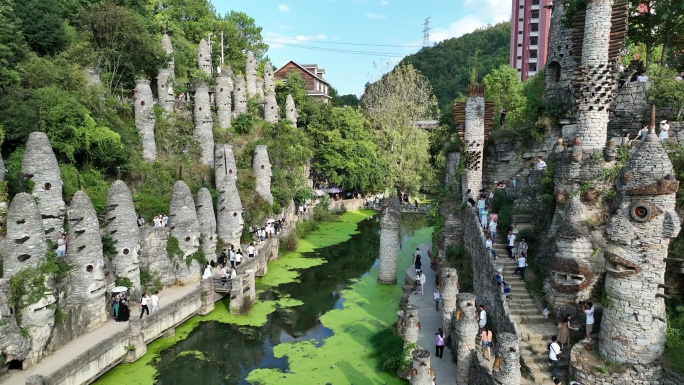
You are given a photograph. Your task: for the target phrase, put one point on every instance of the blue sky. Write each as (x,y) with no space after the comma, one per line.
(314,32)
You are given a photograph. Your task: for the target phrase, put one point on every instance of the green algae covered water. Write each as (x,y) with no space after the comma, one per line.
(317,309)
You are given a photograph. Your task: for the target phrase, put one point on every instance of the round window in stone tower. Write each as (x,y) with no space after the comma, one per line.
(125,251)
(47,185)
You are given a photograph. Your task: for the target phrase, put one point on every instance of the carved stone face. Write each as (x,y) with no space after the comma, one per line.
(95,273)
(41,312)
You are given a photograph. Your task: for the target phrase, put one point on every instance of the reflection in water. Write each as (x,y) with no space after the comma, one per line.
(225,353)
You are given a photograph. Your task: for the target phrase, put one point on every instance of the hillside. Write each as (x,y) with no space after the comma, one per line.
(447,64)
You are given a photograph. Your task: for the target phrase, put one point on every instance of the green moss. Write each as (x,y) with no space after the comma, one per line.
(194,353)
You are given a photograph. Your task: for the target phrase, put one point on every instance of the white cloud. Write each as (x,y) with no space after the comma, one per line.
(458,28)
(384,2)
(276,40)
(375,16)
(284,8)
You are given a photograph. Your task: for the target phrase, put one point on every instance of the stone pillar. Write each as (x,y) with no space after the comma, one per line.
(40,166)
(144,117)
(448,280)
(271,108)
(86,289)
(93,78)
(269,84)
(410,323)
(229,220)
(421,371)
(250,74)
(24,246)
(507,352)
(262,171)
(406,291)
(207,223)
(207,296)
(389,244)
(204,57)
(239,95)
(122,227)
(165,89)
(466,329)
(243,292)
(185,227)
(260,88)
(204,124)
(638,234)
(291,110)
(452,161)
(474,137)
(135,339)
(168,48)
(224,162)
(224,99)
(596,90)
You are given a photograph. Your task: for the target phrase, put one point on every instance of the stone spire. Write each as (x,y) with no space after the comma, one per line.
(224,99)
(24,245)
(224,162)
(168,48)
(250,74)
(207,223)
(633,327)
(271,108)
(204,57)
(474,136)
(448,291)
(165,89)
(229,218)
(269,84)
(204,124)
(260,88)
(291,110)
(86,292)
(40,166)
(262,172)
(185,227)
(239,95)
(389,244)
(466,329)
(122,227)
(143,104)
(507,350)
(421,371)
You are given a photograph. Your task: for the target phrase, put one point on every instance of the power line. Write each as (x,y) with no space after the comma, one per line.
(426,32)
(345,51)
(337,42)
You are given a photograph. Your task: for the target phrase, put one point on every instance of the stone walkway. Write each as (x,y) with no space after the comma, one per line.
(76,347)
(431,320)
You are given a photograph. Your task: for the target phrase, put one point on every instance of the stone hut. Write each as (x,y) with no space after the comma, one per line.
(251,74)
(269,84)
(262,171)
(204,124)
(239,96)
(474,137)
(291,110)
(224,162)
(185,227)
(389,244)
(122,227)
(229,220)
(207,223)
(145,120)
(40,166)
(224,99)
(204,57)
(271,108)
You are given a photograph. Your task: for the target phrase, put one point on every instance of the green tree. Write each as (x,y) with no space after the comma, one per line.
(12,46)
(657,22)
(504,88)
(42,25)
(338,100)
(392,103)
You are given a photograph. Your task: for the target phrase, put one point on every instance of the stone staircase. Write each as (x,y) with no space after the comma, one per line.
(535,330)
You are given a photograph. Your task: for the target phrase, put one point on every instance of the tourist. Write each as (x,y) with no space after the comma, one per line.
(207,271)
(415,202)
(263,233)
(222,274)
(511,243)
(482,318)
(440,342)
(483,217)
(156,222)
(420,280)
(155,301)
(488,247)
(541,165)
(238,257)
(493,216)
(143,305)
(417,262)
(437,297)
(564,328)
(480,204)
(259,234)
(469,198)
(165,220)
(223,258)
(554,356)
(486,341)
(250,250)
(588,309)
(499,279)
(62,245)
(115,305)
(492,229)
(664,128)
(522,264)
(507,290)
(502,117)
(231,256)
(642,77)
(233,274)
(124,313)
(141,221)
(277,226)
(522,247)
(641,135)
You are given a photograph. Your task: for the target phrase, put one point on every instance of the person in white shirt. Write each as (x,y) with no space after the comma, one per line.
(664,128)
(155,301)
(588,308)
(62,245)
(438,298)
(238,258)
(165,220)
(488,247)
(250,250)
(522,264)
(231,257)
(143,305)
(482,318)
(259,233)
(642,78)
(554,352)
(511,244)
(420,280)
(541,165)
(233,273)
(205,275)
(492,230)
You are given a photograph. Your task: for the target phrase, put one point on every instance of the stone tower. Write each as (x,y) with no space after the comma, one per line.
(453,158)
(122,227)
(260,88)
(24,245)
(229,220)
(595,93)
(224,99)
(204,124)
(87,286)
(449,291)
(291,110)
(168,48)
(204,57)
(466,329)
(389,244)
(207,223)
(638,234)
(239,95)
(269,84)
(250,74)
(421,371)
(165,89)
(185,227)
(40,166)
(474,136)
(224,162)
(559,63)
(271,108)
(143,104)
(262,171)
(507,350)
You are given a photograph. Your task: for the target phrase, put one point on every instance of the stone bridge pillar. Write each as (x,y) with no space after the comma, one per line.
(474,137)
(466,331)
(207,296)
(448,290)
(507,352)
(421,372)
(389,244)
(136,340)
(243,292)
(144,117)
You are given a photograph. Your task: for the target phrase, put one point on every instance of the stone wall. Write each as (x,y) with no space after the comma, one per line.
(170,316)
(584,368)
(143,103)
(153,257)
(479,371)
(185,227)
(671,378)
(347,204)
(559,63)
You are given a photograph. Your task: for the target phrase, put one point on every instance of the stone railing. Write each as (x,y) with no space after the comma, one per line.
(171,315)
(347,204)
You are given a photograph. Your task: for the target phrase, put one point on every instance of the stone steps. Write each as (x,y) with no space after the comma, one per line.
(528,318)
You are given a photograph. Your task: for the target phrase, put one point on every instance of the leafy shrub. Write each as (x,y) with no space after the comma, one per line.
(387,350)
(242,124)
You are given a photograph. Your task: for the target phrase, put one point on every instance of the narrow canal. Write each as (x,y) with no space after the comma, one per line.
(317,309)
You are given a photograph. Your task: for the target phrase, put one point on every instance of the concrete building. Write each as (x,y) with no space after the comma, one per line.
(530,20)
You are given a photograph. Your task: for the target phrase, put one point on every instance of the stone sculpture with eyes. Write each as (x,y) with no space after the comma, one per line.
(230,222)
(262,171)
(185,227)
(123,229)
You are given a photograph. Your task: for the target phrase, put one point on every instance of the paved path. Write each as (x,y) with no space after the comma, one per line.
(431,320)
(76,347)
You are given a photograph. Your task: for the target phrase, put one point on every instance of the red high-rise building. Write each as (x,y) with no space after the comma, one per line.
(529,35)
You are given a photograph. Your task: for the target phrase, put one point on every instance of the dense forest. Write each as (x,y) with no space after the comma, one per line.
(451,64)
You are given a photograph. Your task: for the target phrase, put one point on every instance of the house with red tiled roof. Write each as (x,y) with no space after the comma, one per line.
(316,85)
